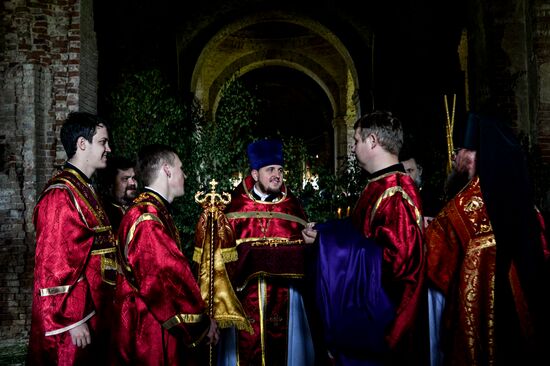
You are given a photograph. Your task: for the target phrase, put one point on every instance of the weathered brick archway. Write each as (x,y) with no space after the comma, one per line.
(277,39)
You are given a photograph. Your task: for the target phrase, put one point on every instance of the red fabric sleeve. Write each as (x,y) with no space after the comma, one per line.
(402,238)
(543,241)
(63,244)
(396,226)
(164,277)
(443,252)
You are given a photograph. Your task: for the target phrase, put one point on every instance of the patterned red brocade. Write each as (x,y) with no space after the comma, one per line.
(74,272)
(271,252)
(461,247)
(269,239)
(159,312)
(461,264)
(389,211)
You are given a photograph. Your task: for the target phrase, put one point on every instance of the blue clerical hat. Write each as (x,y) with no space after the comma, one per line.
(265,152)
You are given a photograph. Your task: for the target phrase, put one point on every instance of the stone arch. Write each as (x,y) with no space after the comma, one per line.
(252,62)
(307,46)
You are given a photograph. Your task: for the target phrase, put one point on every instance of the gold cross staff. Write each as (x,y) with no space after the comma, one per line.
(211,199)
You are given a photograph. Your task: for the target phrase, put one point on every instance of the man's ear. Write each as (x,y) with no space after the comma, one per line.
(81,143)
(255,174)
(167,170)
(373,140)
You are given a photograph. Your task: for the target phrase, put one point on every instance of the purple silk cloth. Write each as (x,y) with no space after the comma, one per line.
(354,308)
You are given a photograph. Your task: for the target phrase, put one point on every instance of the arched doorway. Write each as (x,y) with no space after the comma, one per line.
(292,104)
(305,58)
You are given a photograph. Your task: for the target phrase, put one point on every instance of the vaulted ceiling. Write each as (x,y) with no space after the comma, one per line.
(317,65)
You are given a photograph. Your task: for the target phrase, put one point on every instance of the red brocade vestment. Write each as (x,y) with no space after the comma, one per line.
(271,253)
(159,312)
(389,211)
(461,264)
(114,212)
(74,275)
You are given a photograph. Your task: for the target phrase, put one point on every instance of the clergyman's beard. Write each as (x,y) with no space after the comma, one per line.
(268,190)
(129,197)
(455,182)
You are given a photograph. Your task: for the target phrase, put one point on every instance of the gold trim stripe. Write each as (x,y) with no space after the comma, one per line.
(75,201)
(273,241)
(197,255)
(144,217)
(262,300)
(228,254)
(69,327)
(96,214)
(482,243)
(103,251)
(147,203)
(102,229)
(54,290)
(391,192)
(265,215)
(251,196)
(57,289)
(182,318)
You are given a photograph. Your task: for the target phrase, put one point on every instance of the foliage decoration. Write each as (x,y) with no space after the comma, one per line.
(329,195)
(220,150)
(145,110)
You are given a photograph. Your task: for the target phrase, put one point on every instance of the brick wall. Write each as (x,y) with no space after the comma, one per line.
(541,47)
(87,91)
(510,61)
(40,72)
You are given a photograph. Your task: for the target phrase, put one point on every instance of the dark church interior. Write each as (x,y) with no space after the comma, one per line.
(406,55)
(315,65)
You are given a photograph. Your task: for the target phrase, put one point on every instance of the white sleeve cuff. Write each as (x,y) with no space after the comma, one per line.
(69,327)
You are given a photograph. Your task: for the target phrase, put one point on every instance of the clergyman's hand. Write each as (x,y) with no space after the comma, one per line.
(213,335)
(80,335)
(427,221)
(309,233)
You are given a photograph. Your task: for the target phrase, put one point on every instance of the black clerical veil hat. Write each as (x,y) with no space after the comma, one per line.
(506,189)
(466,134)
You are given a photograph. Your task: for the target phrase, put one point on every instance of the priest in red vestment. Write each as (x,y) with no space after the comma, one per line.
(119,188)
(389,212)
(486,253)
(75,266)
(160,316)
(267,220)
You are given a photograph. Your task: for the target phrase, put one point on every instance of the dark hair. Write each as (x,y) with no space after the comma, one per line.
(119,163)
(114,164)
(150,158)
(79,124)
(385,126)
